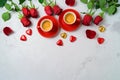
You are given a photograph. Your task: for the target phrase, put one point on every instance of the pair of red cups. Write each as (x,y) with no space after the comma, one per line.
(69,20)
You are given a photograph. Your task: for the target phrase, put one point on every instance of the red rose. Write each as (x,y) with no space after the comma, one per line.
(34,12)
(7,31)
(87,20)
(90,34)
(97,19)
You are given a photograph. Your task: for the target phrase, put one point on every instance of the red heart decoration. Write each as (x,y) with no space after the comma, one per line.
(59,42)
(100,40)
(23,38)
(72,39)
(90,34)
(7,31)
(29,32)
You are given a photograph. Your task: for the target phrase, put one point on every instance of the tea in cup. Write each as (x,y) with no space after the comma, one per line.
(46,25)
(69,18)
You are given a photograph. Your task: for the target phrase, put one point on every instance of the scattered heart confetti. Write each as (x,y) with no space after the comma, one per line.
(102,28)
(90,34)
(29,32)
(63,35)
(23,38)
(7,31)
(100,40)
(72,39)
(59,42)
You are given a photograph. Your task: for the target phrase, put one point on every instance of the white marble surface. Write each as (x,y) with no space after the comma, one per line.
(41,59)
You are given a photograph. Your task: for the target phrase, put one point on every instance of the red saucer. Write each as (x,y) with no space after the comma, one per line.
(69,27)
(51,33)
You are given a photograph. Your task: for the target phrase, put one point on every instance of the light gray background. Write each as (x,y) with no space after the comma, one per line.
(41,59)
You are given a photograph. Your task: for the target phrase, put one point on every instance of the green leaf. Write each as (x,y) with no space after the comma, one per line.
(105,9)
(2,2)
(111,9)
(17,8)
(8,7)
(6,16)
(92,1)
(117,5)
(115,0)
(97,6)
(115,11)
(84,1)
(102,3)
(110,3)
(41,1)
(90,5)
(21,1)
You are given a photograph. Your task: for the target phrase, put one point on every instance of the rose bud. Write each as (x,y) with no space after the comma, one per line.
(98,18)
(87,20)
(26,12)
(70,2)
(24,20)
(48,10)
(34,12)
(57,10)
